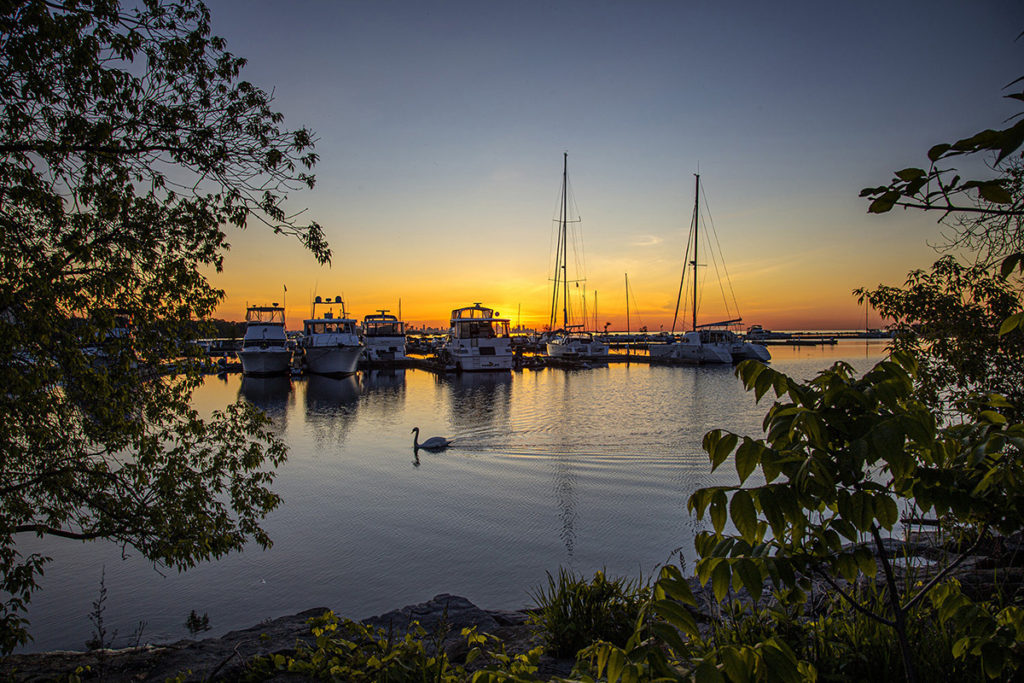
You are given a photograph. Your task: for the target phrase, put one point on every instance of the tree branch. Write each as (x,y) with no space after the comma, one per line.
(853,603)
(44,529)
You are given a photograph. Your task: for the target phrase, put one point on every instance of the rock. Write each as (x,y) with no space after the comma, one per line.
(224,658)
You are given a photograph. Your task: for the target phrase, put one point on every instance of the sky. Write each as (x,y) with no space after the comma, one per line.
(441,127)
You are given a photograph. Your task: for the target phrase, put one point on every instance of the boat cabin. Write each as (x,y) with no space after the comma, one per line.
(477,322)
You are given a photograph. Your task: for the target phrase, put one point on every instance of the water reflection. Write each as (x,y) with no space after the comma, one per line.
(271,394)
(331,404)
(588,468)
(478,404)
(383,392)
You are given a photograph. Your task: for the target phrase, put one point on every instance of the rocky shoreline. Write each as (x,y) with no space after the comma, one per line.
(226,657)
(998,567)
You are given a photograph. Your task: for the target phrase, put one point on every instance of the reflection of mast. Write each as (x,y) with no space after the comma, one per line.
(566,496)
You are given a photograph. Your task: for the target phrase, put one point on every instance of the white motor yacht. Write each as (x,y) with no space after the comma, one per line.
(265,346)
(477,340)
(330,345)
(383,337)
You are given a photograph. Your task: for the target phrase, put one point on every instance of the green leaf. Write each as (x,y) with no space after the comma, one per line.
(1010,263)
(741,509)
(736,667)
(720,578)
(750,576)
(884,203)
(936,152)
(1010,324)
(748,455)
(909,174)
(992,417)
(707,672)
(994,192)
(718,512)
(670,637)
(616,661)
(677,616)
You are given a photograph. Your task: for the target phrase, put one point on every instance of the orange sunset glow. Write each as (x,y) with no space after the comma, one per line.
(441,140)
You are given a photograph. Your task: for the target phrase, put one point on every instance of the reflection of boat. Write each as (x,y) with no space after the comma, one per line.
(711,342)
(269,394)
(331,345)
(265,347)
(569,341)
(383,337)
(325,394)
(477,340)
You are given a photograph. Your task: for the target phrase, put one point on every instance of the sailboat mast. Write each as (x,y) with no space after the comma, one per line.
(627,303)
(565,216)
(696,241)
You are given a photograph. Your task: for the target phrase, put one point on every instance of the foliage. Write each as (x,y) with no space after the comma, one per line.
(841,643)
(349,651)
(949,319)
(572,612)
(943,189)
(127,141)
(841,456)
(197,624)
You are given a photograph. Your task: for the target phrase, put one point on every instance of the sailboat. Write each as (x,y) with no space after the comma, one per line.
(567,341)
(709,342)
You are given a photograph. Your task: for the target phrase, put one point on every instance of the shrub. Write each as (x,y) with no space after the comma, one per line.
(573,613)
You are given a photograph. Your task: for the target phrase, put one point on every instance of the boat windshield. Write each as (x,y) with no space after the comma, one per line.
(329,327)
(481,329)
(265,315)
(383,328)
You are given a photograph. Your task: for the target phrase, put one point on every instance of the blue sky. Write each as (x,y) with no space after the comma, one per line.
(441,128)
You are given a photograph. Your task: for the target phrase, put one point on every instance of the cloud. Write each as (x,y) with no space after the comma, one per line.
(646,241)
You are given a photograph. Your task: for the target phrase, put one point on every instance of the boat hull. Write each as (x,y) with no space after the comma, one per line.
(268,361)
(332,360)
(482,363)
(378,349)
(573,349)
(691,350)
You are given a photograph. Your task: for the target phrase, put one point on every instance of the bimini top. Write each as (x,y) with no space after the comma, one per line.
(265,315)
(476,312)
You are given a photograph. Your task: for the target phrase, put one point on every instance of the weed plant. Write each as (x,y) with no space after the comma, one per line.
(842,643)
(572,612)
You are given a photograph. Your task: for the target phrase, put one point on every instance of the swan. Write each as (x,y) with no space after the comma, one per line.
(434,443)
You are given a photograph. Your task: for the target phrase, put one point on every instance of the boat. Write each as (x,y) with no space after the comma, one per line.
(567,342)
(265,345)
(383,337)
(758,333)
(711,342)
(478,339)
(330,345)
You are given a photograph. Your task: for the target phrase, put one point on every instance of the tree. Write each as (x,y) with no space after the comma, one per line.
(127,141)
(949,318)
(961,320)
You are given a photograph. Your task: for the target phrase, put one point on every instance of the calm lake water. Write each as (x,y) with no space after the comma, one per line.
(585,469)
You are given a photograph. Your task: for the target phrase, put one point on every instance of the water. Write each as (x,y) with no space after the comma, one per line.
(585,469)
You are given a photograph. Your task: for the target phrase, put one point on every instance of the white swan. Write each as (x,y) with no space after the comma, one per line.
(434,443)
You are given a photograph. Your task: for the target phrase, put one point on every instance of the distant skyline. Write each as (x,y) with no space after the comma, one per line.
(441,128)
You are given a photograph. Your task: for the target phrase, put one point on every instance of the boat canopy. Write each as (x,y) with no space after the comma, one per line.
(383,324)
(476,312)
(265,315)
